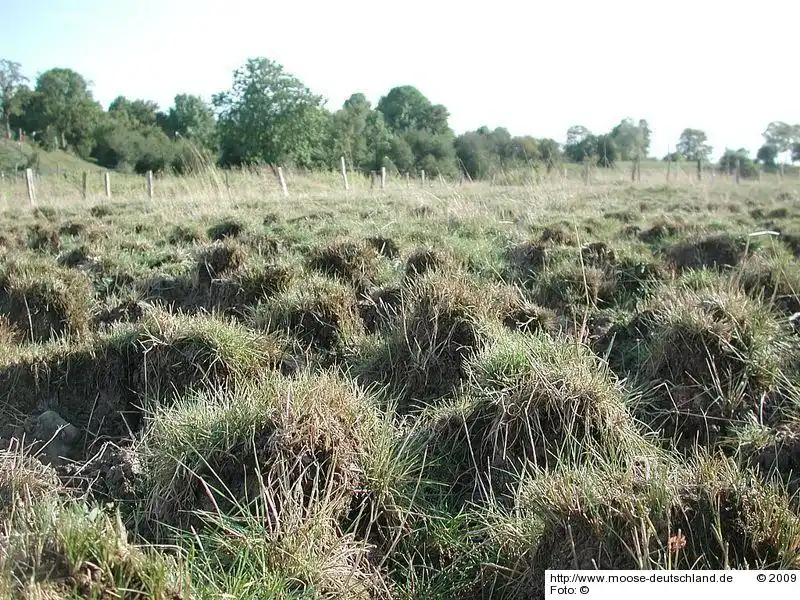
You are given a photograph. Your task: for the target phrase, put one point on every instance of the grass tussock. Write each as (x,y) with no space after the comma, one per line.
(285,441)
(712,357)
(321,314)
(350,262)
(546,401)
(51,547)
(425,353)
(43,300)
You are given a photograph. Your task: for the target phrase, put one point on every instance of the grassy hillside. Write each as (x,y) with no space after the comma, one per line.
(15,156)
(423,392)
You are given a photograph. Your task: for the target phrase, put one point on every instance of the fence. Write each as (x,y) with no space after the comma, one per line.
(49,184)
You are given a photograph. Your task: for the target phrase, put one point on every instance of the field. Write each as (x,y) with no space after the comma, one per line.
(420,392)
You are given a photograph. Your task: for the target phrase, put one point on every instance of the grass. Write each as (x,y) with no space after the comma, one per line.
(418,392)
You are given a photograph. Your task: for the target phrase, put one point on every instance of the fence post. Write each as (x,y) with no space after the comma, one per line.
(372,179)
(633,171)
(85,185)
(284,189)
(408,179)
(422,176)
(29,181)
(383,178)
(699,169)
(107,180)
(344,175)
(150,184)
(738,169)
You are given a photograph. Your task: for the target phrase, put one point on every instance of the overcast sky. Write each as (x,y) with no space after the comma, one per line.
(536,68)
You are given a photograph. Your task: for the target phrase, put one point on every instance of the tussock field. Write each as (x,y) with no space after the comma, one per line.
(418,392)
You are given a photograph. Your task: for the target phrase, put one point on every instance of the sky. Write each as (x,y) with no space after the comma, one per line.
(728,68)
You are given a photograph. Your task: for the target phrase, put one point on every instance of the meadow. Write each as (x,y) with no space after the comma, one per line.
(432,391)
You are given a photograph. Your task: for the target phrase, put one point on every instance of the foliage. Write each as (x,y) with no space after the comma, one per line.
(693,145)
(268,116)
(64,109)
(728,162)
(11,80)
(767,155)
(632,140)
(190,118)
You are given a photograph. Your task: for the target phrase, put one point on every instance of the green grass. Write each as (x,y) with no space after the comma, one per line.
(434,392)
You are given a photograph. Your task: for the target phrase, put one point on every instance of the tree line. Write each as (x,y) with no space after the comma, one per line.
(268,116)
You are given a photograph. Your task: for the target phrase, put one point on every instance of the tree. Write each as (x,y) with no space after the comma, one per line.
(631,139)
(606,151)
(549,152)
(693,145)
(137,113)
(349,130)
(268,116)
(190,118)
(405,108)
(782,135)
(730,159)
(766,155)
(11,80)
(576,134)
(66,109)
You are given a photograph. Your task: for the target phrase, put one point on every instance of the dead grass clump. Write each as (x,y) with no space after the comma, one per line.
(709,354)
(349,261)
(546,401)
(717,250)
(287,444)
(386,247)
(217,260)
(44,238)
(227,228)
(379,307)
(24,480)
(423,260)
(10,334)
(45,301)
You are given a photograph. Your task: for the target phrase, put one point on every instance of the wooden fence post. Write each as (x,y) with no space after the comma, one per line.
(107,180)
(383,178)
(372,179)
(699,169)
(344,175)
(738,169)
(31,190)
(85,185)
(422,176)
(633,171)
(150,184)
(284,189)
(408,179)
